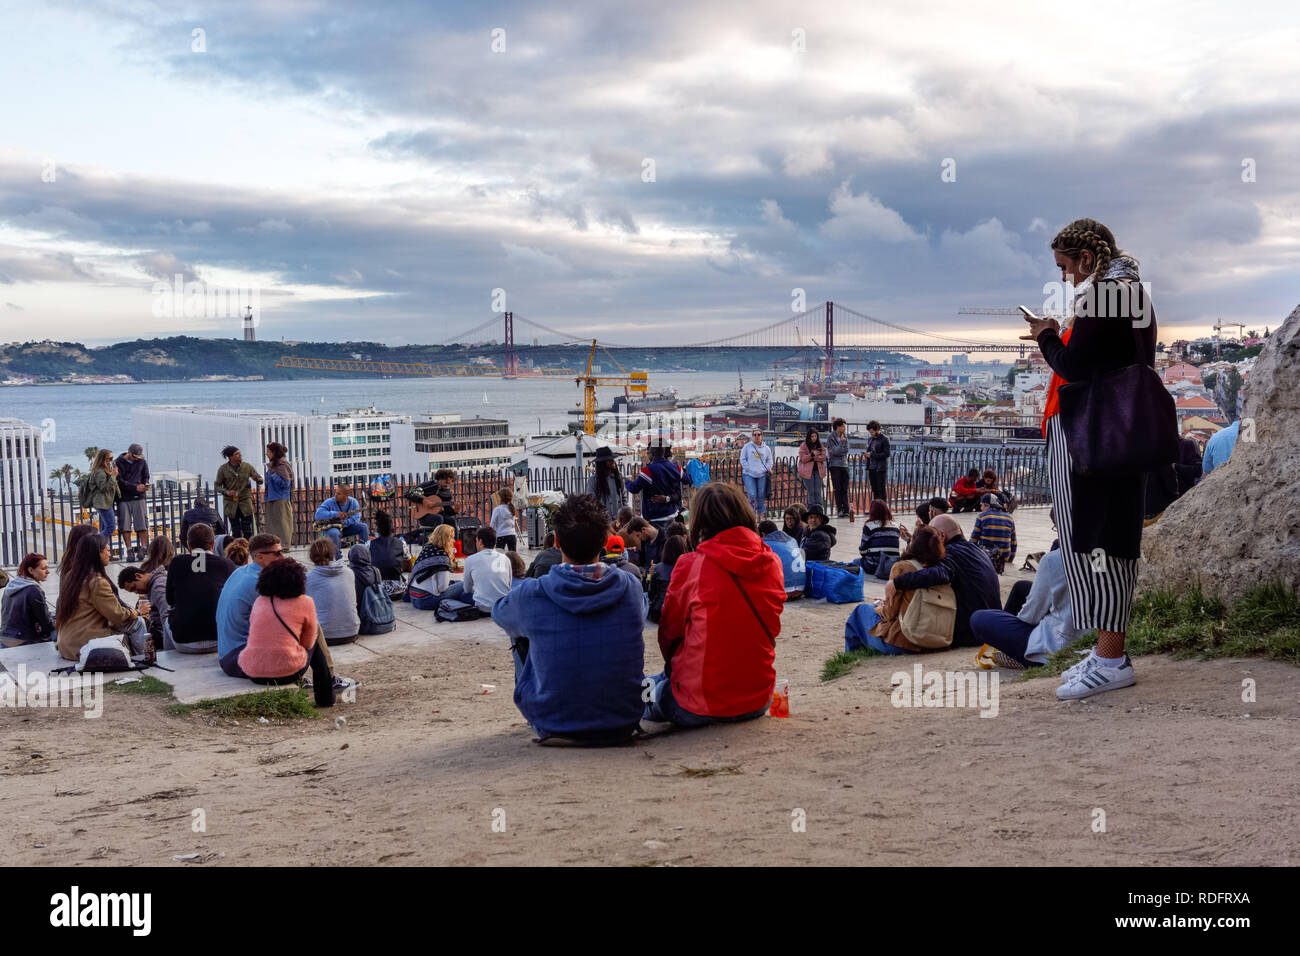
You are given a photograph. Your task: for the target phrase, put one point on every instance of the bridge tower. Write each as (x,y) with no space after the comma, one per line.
(828,368)
(511,370)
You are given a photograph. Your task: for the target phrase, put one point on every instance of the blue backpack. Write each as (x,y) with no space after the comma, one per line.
(698,472)
(836,581)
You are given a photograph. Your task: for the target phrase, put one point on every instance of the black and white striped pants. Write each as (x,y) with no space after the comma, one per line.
(1101,585)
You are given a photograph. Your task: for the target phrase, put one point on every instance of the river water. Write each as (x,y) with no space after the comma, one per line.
(78,416)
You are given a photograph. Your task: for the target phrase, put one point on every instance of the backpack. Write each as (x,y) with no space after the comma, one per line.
(83,491)
(930,617)
(104,655)
(377,615)
(454,611)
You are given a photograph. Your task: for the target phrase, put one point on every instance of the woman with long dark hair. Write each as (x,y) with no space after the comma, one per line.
(88,604)
(1112,326)
(279,484)
(812,466)
(606,485)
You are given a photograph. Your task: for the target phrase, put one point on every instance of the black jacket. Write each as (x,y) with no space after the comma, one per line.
(544,562)
(1105,513)
(970,572)
(129,474)
(878,449)
(205,515)
(192,595)
(386,556)
(817,544)
(24,615)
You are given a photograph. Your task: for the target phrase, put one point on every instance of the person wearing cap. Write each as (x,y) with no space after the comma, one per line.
(820,539)
(133,480)
(606,485)
(995,532)
(755,465)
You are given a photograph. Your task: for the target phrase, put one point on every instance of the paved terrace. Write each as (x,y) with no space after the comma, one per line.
(197,677)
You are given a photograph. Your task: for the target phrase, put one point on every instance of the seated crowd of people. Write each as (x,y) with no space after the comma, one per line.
(715,587)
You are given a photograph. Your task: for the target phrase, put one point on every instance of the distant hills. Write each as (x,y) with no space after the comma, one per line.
(187,357)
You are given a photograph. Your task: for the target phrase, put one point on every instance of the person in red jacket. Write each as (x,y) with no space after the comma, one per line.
(720,618)
(966,492)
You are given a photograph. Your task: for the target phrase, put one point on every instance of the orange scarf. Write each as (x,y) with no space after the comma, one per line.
(1053,403)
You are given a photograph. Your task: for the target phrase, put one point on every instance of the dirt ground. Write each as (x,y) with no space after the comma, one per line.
(423,769)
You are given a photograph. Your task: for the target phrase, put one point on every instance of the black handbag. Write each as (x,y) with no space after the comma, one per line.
(1121,422)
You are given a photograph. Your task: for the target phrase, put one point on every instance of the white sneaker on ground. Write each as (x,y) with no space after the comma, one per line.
(1073,669)
(1096,678)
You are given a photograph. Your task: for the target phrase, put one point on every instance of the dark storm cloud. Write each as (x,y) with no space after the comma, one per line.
(762,183)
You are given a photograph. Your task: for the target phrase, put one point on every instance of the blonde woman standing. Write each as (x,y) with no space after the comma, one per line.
(1099,518)
(101,489)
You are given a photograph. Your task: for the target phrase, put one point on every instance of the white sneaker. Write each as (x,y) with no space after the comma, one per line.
(1096,678)
(1073,669)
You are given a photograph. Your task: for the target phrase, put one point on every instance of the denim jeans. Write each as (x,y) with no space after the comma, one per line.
(813,488)
(756,492)
(107,520)
(662,707)
(1004,631)
(869,619)
(351,528)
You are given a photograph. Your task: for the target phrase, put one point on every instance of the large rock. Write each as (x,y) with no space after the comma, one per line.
(1241,524)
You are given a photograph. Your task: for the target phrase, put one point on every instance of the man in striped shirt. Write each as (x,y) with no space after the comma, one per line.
(995,532)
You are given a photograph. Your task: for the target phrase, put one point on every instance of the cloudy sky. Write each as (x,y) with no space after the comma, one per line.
(376,170)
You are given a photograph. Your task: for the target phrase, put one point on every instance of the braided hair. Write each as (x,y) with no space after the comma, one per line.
(1091,235)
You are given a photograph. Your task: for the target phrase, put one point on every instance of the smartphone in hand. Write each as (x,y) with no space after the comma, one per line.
(1028,314)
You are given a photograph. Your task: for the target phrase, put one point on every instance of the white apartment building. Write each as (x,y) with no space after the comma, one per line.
(856,412)
(361,444)
(189,438)
(447,441)
(22,487)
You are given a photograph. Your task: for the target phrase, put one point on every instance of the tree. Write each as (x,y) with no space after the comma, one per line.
(940,390)
(1011,375)
(1160,346)
(90,453)
(1208,380)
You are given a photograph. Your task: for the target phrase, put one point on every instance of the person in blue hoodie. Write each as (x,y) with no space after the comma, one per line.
(576,636)
(341,512)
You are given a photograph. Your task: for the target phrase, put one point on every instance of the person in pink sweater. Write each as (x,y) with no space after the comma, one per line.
(283,633)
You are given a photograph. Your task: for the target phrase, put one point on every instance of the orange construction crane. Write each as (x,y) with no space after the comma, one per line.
(634,381)
(631,381)
(417,368)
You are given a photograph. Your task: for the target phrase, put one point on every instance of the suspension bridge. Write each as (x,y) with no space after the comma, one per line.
(834,331)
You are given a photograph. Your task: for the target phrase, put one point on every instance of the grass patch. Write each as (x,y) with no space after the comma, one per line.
(837,665)
(149,686)
(283,704)
(1263,622)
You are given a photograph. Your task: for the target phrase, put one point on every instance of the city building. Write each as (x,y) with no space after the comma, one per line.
(1181,372)
(447,441)
(189,438)
(22,487)
(361,444)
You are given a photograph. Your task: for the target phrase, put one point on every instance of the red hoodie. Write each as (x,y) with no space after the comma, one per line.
(723,662)
(965,487)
